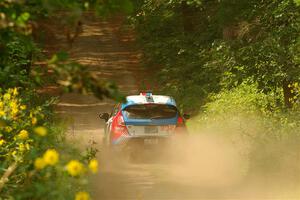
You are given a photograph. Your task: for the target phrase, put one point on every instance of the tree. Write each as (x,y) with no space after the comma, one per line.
(205,46)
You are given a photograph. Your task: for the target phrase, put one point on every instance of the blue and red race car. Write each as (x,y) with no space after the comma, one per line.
(144,119)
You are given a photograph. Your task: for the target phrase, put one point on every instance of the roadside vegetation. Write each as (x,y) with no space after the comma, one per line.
(36,162)
(235,66)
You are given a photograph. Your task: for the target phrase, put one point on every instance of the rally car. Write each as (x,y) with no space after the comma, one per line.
(144,119)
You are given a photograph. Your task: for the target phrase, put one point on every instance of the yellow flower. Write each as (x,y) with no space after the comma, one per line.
(23,134)
(34,121)
(2,142)
(2,113)
(14,107)
(6,96)
(41,131)
(39,163)
(82,196)
(15,91)
(22,147)
(93,165)
(23,107)
(14,111)
(13,104)
(51,157)
(74,168)
(8,129)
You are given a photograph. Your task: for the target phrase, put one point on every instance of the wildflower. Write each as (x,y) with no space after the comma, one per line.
(8,129)
(34,121)
(51,157)
(15,91)
(22,147)
(82,196)
(39,163)
(14,107)
(14,111)
(6,96)
(2,113)
(23,134)
(23,107)
(13,104)
(93,165)
(2,142)
(41,131)
(74,168)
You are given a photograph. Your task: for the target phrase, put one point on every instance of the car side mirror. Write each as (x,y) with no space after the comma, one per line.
(186,116)
(104,116)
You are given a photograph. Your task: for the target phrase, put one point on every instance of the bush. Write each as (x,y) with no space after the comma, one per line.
(16,59)
(265,132)
(35,163)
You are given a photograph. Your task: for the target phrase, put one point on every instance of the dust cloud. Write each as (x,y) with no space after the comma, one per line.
(205,161)
(235,166)
(200,165)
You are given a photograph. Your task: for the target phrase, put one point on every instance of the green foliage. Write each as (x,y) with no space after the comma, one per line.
(16,62)
(245,98)
(219,44)
(35,161)
(297,2)
(267,135)
(236,62)
(19,52)
(27,133)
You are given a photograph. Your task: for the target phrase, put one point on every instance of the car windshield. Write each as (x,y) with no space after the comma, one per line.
(150,111)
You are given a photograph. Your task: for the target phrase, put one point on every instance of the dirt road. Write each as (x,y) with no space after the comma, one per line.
(111,56)
(110,52)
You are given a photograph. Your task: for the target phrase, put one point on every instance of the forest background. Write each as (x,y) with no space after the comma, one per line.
(232,64)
